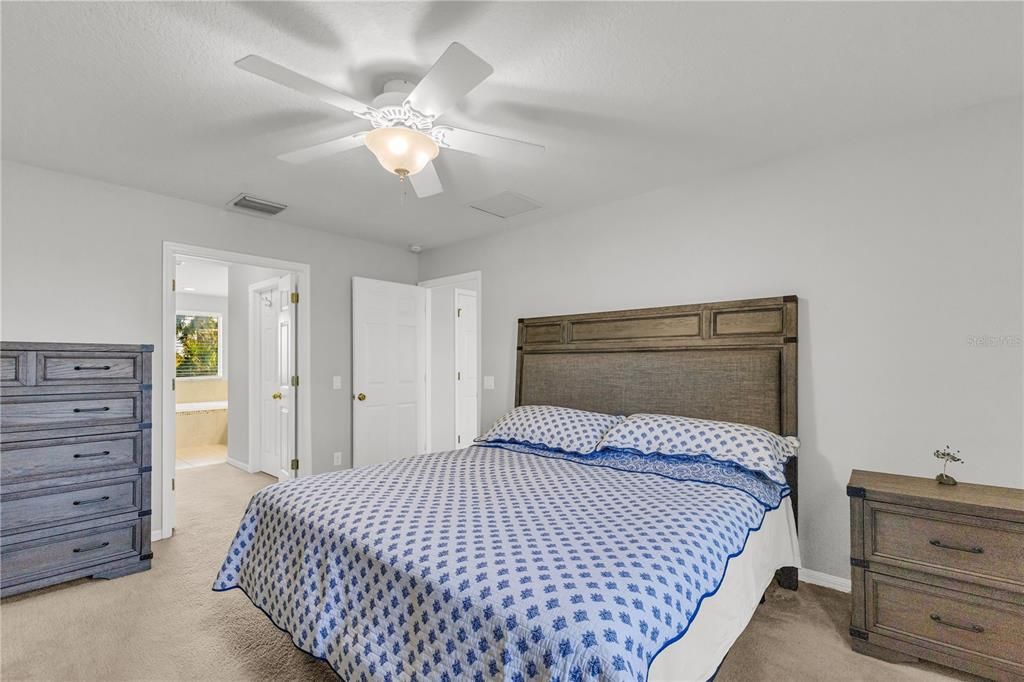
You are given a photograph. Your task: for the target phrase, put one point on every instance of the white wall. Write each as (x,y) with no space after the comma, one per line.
(239,279)
(901,246)
(82,261)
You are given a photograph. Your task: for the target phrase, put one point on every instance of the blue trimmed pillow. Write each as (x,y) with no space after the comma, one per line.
(748,446)
(556,428)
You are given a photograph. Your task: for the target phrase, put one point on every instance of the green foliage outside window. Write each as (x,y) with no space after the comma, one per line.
(197,345)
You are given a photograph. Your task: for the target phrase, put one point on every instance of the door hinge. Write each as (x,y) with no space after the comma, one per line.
(295,465)
(295,380)
(458,312)
(174,284)
(174,384)
(458,376)
(172,485)
(295,297)
(458,439)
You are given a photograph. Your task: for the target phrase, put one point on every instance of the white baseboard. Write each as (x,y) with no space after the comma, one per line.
(824,580)
(240,465)
(156,535)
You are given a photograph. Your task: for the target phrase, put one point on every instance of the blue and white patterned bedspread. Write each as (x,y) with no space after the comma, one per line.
(495,563)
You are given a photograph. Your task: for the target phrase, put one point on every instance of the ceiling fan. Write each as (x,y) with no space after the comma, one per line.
(404,137)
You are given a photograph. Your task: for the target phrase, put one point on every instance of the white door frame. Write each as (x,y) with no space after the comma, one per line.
(164,469)
(475,280)
(255,413)
(455,338)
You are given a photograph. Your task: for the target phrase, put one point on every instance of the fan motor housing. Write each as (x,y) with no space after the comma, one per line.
(393,93)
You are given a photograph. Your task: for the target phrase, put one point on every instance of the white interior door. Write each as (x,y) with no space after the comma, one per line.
(269,446)
(466,381)
(388,371)
(286,371)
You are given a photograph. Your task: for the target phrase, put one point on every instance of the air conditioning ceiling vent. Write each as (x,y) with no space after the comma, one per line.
(505,205)
(251,204)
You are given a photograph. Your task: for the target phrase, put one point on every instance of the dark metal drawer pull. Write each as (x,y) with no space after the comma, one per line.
(78,368)
(970,627)
(92,454)
(92,409)
(89,549)
(941,545)
(98,499)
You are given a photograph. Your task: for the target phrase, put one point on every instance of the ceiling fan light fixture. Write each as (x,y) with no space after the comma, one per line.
(401,151)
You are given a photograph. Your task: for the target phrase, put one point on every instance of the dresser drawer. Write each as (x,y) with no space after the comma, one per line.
(51,506)
(69,456)
(25,561)
(63,411)
(956,622)
(13,368)
(966,547)
(59,368)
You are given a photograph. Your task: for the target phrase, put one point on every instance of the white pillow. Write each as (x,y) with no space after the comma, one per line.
(555,428)
(748,446)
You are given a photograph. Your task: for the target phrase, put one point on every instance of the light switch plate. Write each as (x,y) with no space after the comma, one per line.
(337,459)
(488,383)
(336,383)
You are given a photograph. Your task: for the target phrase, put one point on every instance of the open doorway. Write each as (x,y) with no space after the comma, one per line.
(236,330)
(453,366)
(201,335)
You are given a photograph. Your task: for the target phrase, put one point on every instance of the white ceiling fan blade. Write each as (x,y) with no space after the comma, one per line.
(426,183)
(453,75)
(324,149)
(483,144)
(296,81)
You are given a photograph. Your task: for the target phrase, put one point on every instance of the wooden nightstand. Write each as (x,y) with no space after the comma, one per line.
(938,573)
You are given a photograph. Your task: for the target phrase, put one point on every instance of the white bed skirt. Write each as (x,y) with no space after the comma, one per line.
(723,616)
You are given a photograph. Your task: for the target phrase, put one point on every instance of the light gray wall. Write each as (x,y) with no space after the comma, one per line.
(82,261)
(902,247)
(239,279)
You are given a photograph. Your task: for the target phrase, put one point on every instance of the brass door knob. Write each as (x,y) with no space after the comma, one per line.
(361,396)
(276,395)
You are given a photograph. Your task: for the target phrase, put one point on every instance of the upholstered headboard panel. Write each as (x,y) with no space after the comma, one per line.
(732,360)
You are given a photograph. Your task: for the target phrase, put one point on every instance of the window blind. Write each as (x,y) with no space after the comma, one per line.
(197,345)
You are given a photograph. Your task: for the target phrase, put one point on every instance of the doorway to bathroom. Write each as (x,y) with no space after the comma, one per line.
(236,330)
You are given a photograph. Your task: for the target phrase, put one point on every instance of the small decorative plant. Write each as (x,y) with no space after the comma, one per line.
(947,455)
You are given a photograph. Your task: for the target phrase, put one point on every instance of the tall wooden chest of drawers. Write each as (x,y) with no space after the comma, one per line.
(75,462)
(938,573)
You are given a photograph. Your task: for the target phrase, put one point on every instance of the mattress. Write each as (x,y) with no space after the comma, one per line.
(724,615)
(498,563)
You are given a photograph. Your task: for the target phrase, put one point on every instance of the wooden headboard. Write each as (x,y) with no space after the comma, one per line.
(732,361)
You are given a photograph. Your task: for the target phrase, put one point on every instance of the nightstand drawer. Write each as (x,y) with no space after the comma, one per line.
(954,622)
(966,547)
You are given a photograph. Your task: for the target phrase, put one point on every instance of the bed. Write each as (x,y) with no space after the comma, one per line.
(503,561)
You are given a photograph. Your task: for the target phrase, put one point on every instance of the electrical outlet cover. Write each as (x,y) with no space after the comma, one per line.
(337,459)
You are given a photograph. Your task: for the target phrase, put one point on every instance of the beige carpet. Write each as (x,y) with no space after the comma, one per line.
(166,624)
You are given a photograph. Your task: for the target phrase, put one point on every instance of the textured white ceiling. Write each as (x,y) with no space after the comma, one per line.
(626,96)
